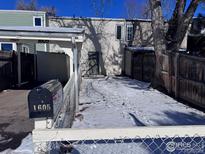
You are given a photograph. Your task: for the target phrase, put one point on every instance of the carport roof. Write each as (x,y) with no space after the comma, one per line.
(40,33)
(41,29)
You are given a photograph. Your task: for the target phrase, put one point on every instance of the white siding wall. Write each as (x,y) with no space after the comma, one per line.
(100,35)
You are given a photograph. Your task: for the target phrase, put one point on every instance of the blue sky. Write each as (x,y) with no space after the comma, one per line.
(81,7)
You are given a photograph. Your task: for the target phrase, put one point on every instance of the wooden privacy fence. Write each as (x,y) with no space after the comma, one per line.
(143,66)
(182,75)
(188,78)
(6,69)
(9,71)
(139,63)
(27,67)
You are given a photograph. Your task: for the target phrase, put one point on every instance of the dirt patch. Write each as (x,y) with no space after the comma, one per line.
(14,121)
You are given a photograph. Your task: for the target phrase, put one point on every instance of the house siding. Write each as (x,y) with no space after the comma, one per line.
(12,18)
(143,34)
(100,36)
(22,18)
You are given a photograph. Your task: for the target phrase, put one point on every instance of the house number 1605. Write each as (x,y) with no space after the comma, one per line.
(42,107)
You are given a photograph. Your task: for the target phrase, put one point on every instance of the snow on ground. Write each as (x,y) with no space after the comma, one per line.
(26,147)
(123,102)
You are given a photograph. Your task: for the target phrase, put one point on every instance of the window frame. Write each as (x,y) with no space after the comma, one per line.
(34,24)
(12,44)
(121,35)
(127,32)
(27,47)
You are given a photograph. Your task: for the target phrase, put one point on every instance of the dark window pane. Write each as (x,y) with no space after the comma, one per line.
(38,22)
(6,47)
(119,32)
(129,33)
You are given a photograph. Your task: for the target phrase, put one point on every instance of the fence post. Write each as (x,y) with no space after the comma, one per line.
(45,104)
(170,71)
(19,63)
(75,55)
(41,147)
(176,63)
(35,62)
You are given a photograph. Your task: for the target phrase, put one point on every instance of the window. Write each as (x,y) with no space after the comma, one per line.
(37,21)
(129,32)
(25,49)
(6,46)
(119,32)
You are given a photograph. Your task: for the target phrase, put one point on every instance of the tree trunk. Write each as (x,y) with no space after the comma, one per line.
(158,28)
(179,24)
(177,30)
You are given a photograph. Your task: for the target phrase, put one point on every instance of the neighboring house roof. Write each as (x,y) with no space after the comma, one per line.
(101,19)
(77,18)
(139,19)
(87,18)
(22,11)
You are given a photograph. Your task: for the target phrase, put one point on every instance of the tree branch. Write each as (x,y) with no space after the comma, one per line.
(191,9)
(176,18)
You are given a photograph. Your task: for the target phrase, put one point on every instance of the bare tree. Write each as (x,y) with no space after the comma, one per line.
(143,10)
(146,10)
(159,37)
(99,6)
(22,5)
(131,9)
(50,10)
(177,29)
(179,23)
(32,5)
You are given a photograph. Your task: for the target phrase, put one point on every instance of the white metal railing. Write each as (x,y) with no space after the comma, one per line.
(183,139)
(63,119)
(44,135)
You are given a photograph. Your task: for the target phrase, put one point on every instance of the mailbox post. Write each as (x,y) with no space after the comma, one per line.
(44,104)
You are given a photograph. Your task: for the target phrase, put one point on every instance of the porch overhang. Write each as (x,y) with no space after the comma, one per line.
(17,34)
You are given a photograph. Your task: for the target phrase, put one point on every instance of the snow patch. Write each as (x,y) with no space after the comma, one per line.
(26,147)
